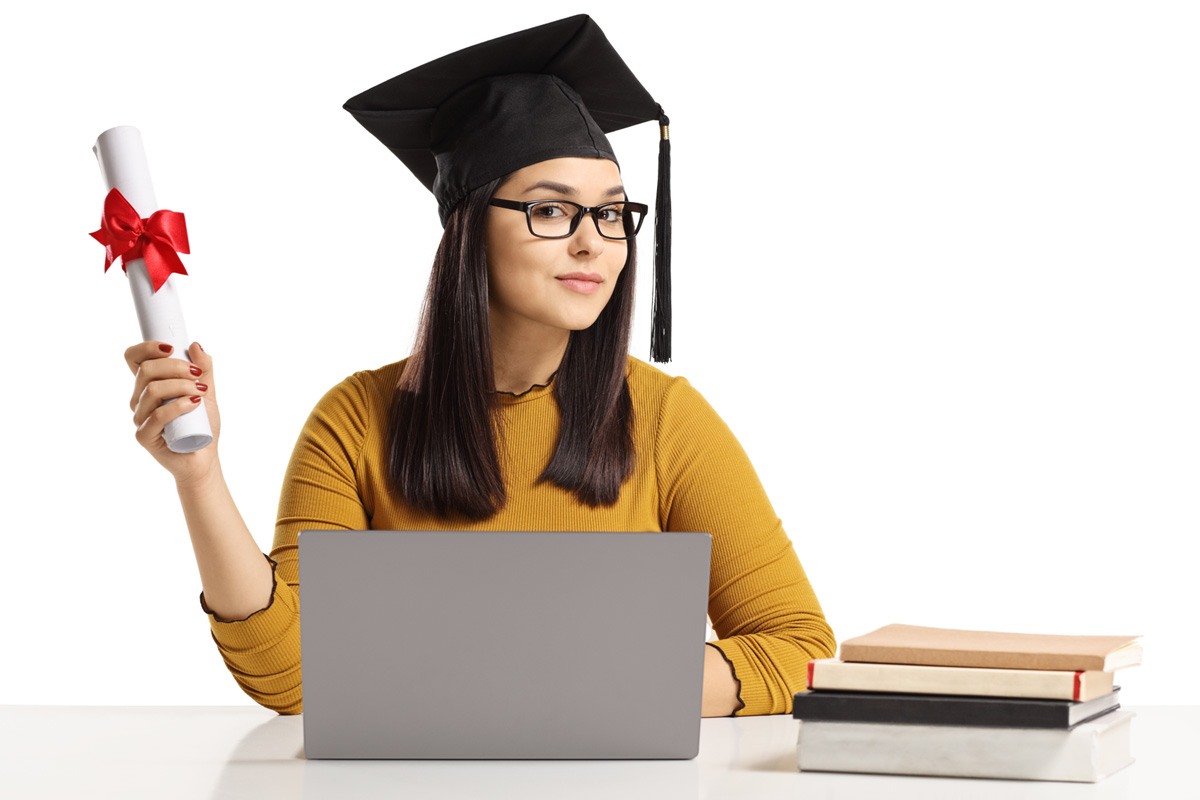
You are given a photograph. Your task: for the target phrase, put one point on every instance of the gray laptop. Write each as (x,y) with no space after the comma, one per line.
(482,644)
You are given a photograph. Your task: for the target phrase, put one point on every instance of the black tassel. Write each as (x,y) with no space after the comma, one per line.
(660,334)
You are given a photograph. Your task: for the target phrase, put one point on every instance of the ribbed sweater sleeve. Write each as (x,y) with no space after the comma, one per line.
(762,607)
(320,491)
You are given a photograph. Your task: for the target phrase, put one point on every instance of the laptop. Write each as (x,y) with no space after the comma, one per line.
(502,645)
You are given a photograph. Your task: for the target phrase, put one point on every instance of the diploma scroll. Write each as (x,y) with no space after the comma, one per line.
(123,166)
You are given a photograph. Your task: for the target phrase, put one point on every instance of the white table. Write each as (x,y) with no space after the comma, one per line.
(176,753)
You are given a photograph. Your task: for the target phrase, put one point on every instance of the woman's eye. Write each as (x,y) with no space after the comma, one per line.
(549,210)
(610,215)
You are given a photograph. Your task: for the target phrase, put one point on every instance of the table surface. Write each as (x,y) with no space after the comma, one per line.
(248,752)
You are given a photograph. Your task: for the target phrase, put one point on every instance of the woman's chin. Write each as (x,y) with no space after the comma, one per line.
(583,324)
(577,319)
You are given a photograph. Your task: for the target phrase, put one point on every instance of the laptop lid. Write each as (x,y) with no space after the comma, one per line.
(484,644)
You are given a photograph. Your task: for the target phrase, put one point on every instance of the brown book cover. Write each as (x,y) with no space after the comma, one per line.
(944,647)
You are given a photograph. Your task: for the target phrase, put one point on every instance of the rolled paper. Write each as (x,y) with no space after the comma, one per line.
(123,167)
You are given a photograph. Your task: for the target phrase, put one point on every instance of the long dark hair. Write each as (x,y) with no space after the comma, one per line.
(443,430)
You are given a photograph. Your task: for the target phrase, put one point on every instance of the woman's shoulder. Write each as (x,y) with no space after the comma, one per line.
(678,414)
(653,389)
(381,381)
(365,390)
(647,381)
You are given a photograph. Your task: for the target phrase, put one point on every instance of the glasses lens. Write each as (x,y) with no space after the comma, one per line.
(618,220)
(552,218)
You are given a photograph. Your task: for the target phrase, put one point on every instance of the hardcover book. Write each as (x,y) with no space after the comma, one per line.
(835,674)
(944,647)
(1086,753)
(931,709)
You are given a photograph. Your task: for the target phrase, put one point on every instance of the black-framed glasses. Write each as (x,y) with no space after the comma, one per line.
(558,219)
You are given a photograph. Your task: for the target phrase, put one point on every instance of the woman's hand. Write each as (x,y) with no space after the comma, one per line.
(158,378)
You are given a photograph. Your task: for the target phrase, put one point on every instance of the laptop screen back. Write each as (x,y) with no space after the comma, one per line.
(482,644)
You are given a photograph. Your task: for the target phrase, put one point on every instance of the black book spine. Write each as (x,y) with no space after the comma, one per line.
(932,709)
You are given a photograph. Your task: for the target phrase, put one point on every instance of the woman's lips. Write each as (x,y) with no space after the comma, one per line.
(584,284)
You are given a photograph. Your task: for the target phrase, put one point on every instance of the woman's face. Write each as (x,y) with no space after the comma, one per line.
(561,284)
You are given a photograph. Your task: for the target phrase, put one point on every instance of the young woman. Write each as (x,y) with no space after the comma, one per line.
(520,408)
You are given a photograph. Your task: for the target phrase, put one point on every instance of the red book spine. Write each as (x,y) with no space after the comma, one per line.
(813,664)
(1078,684)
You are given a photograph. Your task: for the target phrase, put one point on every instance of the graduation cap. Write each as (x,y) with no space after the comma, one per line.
(553,91)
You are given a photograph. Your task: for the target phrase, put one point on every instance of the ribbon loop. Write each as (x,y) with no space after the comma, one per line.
(158,238)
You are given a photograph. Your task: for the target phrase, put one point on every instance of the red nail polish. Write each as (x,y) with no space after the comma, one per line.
(166,348)
(195,399)
(202,386)
(195,370)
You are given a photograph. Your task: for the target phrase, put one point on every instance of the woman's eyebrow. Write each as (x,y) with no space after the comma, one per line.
(570,191)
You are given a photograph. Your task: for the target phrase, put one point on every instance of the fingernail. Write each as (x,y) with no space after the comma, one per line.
(202,386)
(195,370)
(200,346)
(166,348)
(195,399)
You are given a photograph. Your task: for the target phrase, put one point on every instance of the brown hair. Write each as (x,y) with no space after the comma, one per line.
(442,426)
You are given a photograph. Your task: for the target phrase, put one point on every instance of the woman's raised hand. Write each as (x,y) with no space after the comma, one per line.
(158,378)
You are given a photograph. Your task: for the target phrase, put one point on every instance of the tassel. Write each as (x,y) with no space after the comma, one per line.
(660,334)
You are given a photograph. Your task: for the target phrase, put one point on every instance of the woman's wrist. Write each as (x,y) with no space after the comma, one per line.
(201,483)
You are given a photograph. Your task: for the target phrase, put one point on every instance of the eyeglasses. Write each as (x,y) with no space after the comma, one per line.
(558,219)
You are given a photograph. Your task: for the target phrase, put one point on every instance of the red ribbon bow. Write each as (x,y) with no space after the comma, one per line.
(157,239)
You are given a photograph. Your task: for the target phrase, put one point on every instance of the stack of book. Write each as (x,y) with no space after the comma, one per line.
(907,700)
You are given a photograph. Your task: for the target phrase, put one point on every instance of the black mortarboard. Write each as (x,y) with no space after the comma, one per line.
(475,115)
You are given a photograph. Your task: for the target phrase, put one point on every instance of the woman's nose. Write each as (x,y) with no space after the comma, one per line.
(587,239)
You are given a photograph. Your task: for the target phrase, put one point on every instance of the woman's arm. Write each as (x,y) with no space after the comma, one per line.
(320,491)
(763,609)
(720,697)
(236,580)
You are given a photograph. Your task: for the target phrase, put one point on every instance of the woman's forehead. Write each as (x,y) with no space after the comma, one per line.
(567,176)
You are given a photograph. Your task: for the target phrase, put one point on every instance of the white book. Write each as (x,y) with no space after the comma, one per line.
(1086,753)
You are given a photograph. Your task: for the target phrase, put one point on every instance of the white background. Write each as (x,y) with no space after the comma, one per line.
(953,321)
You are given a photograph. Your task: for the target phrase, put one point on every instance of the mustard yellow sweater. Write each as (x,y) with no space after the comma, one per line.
(691,475)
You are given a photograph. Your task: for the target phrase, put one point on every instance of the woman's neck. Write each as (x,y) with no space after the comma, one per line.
(525,355)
